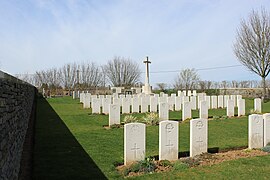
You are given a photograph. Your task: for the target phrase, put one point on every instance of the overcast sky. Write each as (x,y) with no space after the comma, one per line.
(175,34)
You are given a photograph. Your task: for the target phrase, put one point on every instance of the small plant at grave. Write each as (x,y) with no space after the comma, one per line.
(266,149)
(247,150)
(151,118)
(191,161)
(251,111)
(130,119)
(164,163)
(224,117)
(147,165)
(216,117)
(179,165)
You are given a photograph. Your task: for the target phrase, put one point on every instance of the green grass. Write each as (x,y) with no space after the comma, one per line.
(72,144)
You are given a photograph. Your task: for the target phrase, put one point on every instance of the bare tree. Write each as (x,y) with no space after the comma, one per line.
(252,46)
(90,75)
(161,86)
(69,75)
(187,79)
(122,71)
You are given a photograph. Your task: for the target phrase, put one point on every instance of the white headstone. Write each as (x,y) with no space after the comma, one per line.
(117,101)
(105,105)
(135,105)
(179,93)
(226,98)
(171,101)
(193,102)
(266,130)
(185,99)
(200,98)
(186,111)
(114,114)
(82,95)
(258,105)
(184,92)
(173,95)
(153,104)
(163,111)
(73,94)
(96,105)
(87,100)
(100,96)
(178,102)
(168,140)
(194,93)
(220,101)
(230,108)
(189,93)
(134,142)
(198,136)
(208,100)
(156,95)
(255,131)
(126,105)
(233,97)
(237,98)
(203,110)
(161,94)
(214,102)
(144,104)
(241,107)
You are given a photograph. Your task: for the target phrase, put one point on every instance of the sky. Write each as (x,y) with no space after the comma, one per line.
(175,34)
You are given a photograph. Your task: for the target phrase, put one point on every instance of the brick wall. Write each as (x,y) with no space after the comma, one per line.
(16,103)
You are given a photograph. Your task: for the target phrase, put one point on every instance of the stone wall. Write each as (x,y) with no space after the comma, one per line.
(245,92)
(16,103)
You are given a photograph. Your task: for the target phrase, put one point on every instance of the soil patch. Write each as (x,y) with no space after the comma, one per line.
(205,159)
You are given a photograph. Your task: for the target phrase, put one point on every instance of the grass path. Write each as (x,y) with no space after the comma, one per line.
(71,143)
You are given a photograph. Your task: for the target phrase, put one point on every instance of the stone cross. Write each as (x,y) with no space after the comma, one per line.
(146,87)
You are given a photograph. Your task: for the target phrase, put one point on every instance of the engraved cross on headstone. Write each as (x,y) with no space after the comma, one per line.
(200,142)
(169,145)
(135,149)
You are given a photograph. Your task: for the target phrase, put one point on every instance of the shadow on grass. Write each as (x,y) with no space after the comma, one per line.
(57,153)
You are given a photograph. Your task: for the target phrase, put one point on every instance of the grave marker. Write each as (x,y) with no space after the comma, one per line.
(168,140)
(255,131)
(134,142)
(198,136)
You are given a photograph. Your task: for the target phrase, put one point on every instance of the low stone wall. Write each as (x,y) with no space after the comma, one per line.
(245,92)
(16,104)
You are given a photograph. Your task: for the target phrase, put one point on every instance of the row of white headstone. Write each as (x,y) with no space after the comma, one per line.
(134,137)
(114,110)
(141,104)
(134,140)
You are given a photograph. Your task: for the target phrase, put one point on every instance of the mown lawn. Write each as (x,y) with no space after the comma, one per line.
(71,143)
